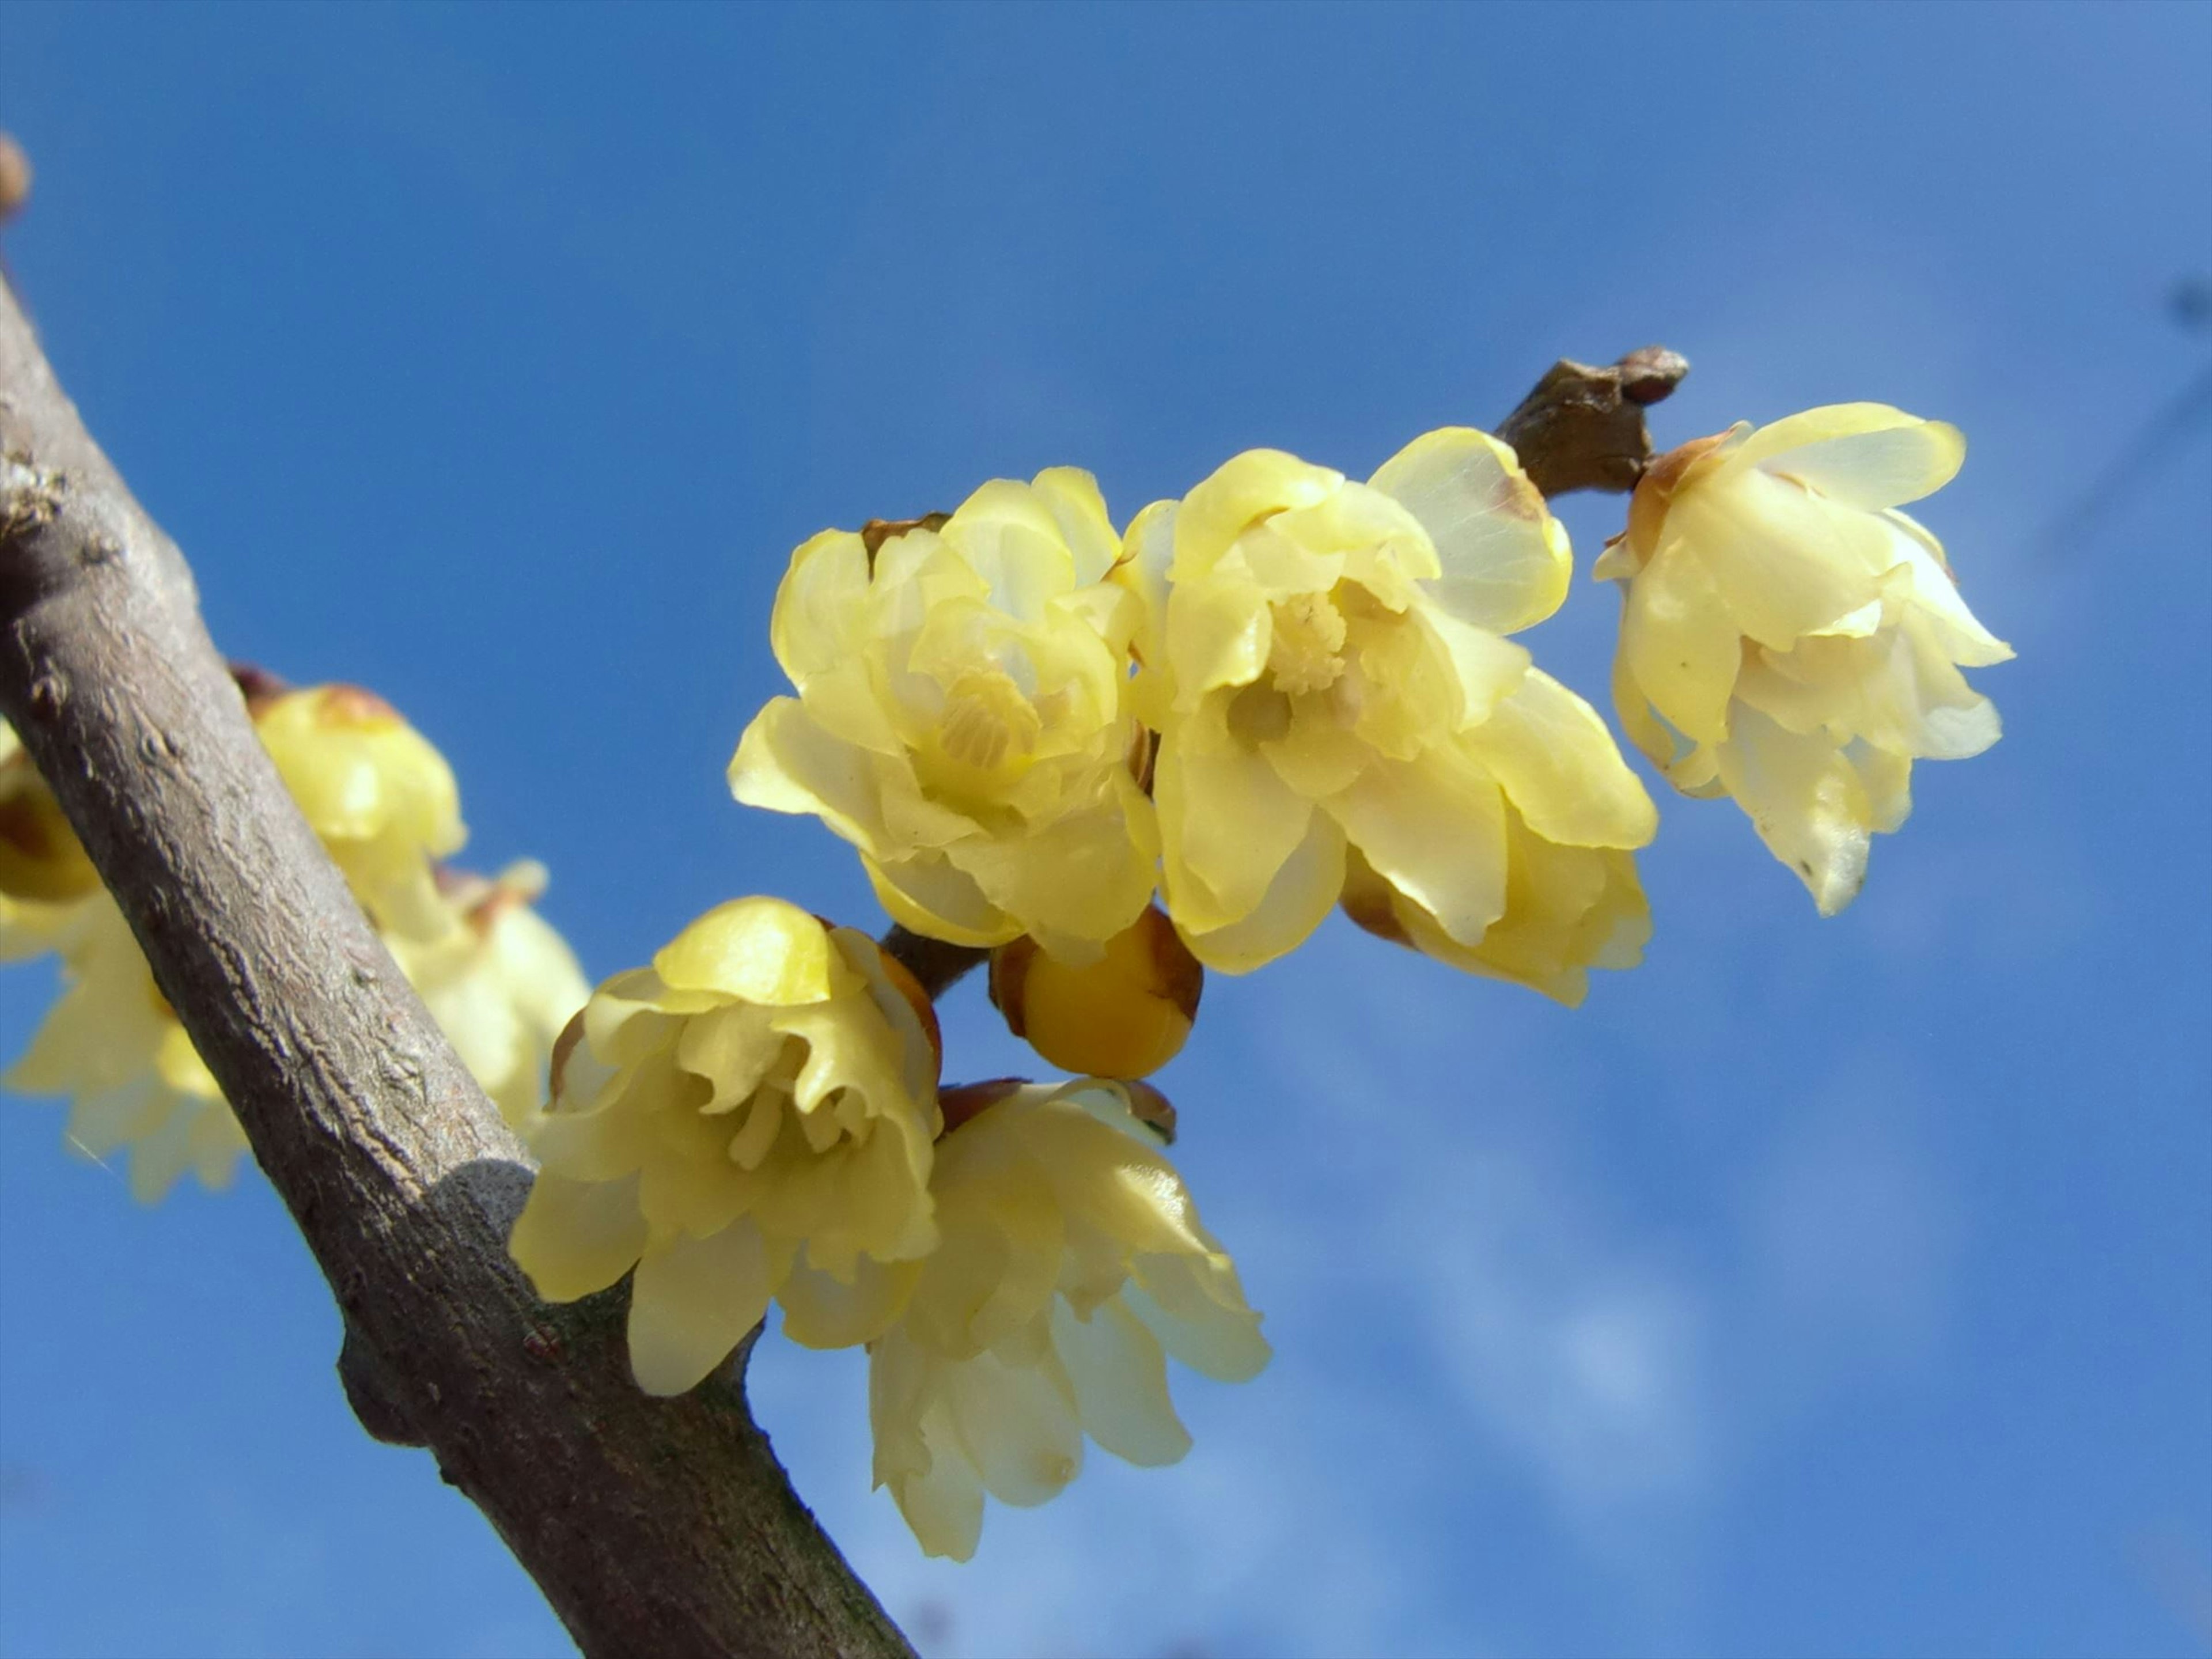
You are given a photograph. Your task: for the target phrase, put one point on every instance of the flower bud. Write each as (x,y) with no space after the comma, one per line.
(381,798)
(1124,1015)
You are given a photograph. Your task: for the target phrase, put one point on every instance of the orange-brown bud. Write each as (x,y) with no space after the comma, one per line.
(1125,1015)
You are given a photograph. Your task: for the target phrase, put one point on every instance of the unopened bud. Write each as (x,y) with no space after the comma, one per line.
(1125,1015)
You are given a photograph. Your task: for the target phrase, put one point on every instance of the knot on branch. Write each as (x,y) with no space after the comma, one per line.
(375,1395)
(1582,427)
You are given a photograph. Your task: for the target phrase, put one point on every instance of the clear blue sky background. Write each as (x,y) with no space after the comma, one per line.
(1823,1288)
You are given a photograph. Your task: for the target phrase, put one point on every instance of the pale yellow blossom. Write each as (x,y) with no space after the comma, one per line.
(749,1118)
(1073,1262)
(113,1044)
(963,717)
(501,983)
(1790,639)
(44,876)
(1325,662)
(382,800)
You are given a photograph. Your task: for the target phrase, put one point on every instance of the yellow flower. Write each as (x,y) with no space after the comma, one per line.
(44,875)
(114,1045)
(1568,909)
(502,984)
(769,1083)
(1790,639)
(380,798)
(1073,1261)
(1125,1015)
(962,718)
(1324,662)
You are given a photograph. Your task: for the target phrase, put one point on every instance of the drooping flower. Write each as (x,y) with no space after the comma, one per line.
(501,983)
(1073,1263)
(116,1047)
(1790,639)
(1325,663)
(751,1117)
(44,876)
(1125,1015)
(963,717)
(382,800)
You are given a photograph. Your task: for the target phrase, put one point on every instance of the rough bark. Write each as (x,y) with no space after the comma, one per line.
(659,1528)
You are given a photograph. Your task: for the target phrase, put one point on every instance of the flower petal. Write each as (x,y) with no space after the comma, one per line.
(1435,829)
(692,1301)
(576,1238)
(821,1312)
(1241,491)
(1072,495)
(1506,562)
(1119,1375)
(1296,903)
(821,598)
(1806,801)
(1865,455)
(762,950)
(1561,769)
(1681,647)
(1227,820)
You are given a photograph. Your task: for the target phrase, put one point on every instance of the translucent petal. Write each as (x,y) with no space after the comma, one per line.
(1148,548)
(1864,455)
(1119,1375)
(1083,876)
(1681,644)
(692,1301)
(821,1312)
(936,898)
(1787,562)
(1019,1426)
(1484,668)
(1196,1308)
(1227,821)
(1244,489)
(1435,829)
(1218,633)
(1009,536)
(1505,558)
(1959,631)
(1560,768)
(819,605)
(787,762)
(1296,903)
(576,1238)
(1805,801)
(1072,496)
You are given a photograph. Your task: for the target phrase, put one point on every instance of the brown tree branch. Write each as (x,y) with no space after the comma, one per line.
(1580,427)
(659,1528)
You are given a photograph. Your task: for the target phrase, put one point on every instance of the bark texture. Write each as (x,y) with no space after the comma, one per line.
(659,1528)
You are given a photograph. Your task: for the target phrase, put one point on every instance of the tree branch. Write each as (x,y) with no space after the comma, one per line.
(1582,428)
(659,1528)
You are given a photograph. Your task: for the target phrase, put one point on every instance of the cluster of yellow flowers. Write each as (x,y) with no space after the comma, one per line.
(1111,760)
(497,978)
(1284,692)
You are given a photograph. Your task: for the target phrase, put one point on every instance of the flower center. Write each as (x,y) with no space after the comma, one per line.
(986,720)
(1305,651)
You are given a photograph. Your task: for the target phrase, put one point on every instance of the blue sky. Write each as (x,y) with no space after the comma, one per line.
(1822,1288)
